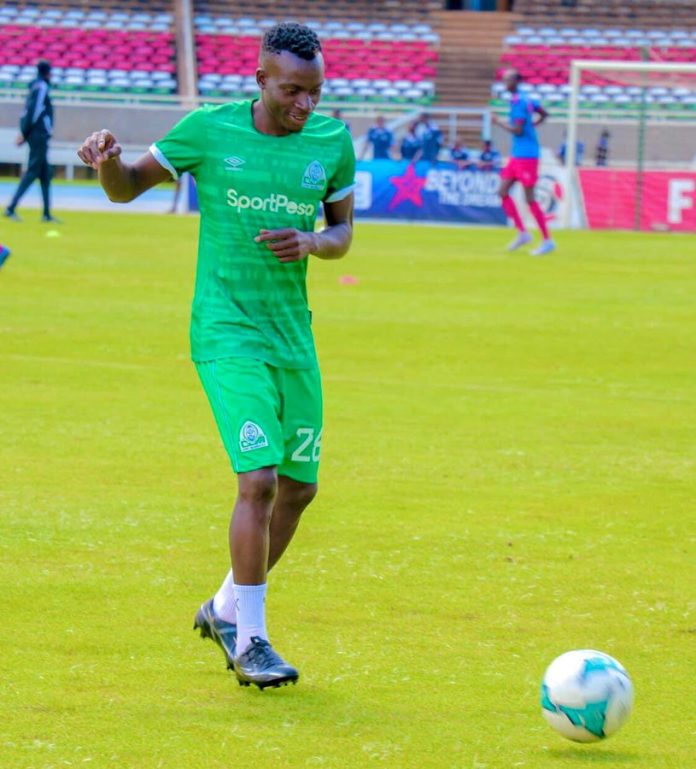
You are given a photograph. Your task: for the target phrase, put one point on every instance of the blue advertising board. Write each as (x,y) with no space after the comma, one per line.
(438,192)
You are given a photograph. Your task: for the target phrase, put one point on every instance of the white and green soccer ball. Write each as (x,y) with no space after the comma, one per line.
(586,695)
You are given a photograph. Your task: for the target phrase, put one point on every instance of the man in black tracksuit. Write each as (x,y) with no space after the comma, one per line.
(36,127)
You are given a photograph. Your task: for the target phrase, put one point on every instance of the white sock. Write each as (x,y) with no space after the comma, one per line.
(251,614)
(223,603)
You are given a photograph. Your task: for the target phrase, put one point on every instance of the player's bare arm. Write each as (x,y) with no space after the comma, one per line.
(515,128)
(540,114)
(333,242)
(121,181)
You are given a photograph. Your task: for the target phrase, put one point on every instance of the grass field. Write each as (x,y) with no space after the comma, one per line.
(508,473)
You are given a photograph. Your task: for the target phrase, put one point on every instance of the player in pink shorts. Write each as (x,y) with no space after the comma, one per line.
(523,165)
(522,170)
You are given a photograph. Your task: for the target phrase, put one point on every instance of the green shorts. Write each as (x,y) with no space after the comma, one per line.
(267,416)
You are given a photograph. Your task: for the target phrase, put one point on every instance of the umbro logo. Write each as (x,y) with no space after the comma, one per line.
(234,163)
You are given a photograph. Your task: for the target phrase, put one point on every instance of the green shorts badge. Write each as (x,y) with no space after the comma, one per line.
(251,437)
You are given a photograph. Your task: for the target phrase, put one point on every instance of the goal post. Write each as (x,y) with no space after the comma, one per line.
(642,79)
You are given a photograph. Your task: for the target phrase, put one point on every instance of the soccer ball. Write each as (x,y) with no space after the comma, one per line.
(586,695)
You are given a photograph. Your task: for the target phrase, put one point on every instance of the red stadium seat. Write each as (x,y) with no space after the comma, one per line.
(349,58)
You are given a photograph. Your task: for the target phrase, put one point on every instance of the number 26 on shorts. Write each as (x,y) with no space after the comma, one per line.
(309,449)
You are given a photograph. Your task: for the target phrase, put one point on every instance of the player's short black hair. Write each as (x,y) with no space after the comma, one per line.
(43,67)
(292,37)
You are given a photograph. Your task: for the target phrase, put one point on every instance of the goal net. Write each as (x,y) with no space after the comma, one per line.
(635,124)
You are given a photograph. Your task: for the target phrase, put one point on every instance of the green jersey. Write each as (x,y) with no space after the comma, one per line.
(247,303)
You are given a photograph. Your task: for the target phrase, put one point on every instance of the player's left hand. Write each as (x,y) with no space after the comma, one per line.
(19,140)
(288,245)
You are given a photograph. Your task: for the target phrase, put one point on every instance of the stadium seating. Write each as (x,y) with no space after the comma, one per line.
(115,52)
(543,55)
(646,14)
(133,51)
(364,11)
(365,61)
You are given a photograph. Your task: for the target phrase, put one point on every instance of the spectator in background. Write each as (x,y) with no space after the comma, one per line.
(36,127)
(579,151)
(424,124)
(410,144)
(460,155)
(602,151)
(431,140)
(489,158)
(430,137)
(381,139)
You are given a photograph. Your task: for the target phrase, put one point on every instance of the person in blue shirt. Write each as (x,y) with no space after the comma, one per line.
(410,144)
(602,151)
(523,166)
(432,143)
(579,151)
(489,158)
(430,137)
(380,138)
(460,155)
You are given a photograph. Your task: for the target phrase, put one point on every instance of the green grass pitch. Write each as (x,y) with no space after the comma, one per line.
(508,473)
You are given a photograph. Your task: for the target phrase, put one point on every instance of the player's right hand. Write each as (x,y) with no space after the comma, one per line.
(98,148)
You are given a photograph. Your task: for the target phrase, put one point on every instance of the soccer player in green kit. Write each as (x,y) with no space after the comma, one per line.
(262,168)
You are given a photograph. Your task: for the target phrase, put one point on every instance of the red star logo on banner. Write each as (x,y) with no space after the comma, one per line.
(408,187)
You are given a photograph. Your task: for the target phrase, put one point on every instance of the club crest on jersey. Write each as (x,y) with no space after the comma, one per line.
(314,177)
(251,437)
(234,163)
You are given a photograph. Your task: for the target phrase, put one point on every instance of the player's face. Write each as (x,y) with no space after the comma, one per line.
(511,79)
(290,88)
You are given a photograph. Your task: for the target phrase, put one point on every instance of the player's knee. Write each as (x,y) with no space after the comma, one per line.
(259,486)
(304,494)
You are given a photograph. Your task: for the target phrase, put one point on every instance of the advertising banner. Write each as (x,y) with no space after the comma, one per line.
(665,200)
(438,192)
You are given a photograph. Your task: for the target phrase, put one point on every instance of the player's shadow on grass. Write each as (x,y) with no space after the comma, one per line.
(588,756)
